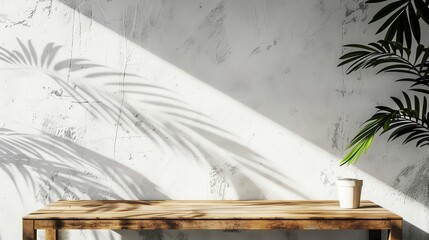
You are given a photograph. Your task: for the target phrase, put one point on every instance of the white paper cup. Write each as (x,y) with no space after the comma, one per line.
(349,191)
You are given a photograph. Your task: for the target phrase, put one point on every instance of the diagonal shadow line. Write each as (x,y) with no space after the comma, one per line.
(212,26)
(160,121)
(74,5)
(219,138)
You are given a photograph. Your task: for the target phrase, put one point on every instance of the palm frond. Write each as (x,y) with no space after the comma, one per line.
(402,26)
(409,118)
(402,19)
(392,57)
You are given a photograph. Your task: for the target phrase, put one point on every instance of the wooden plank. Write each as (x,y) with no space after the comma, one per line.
(211,215)
(28,230)
(238,224)
(263,209)
(51,234)
(374,235)
(395,232)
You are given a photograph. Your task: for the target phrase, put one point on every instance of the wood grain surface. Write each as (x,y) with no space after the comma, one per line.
(209,210)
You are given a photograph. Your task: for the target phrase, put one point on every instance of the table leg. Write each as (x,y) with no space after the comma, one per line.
(51,234)
(28,230)
(374,234)
(395,231)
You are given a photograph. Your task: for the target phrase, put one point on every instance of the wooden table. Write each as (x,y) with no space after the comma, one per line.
(227,215)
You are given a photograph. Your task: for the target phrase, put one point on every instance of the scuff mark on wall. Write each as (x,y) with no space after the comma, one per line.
(322,6)
(48,6)
(48,190)
(44,194)
(345,92)
(219,182)
(58,93)
(143,19)
(414,181)
(209,40)
(355,11)
(326,178)
(337,140)
(263,47)
(27,12)
(70,133)
(336,135)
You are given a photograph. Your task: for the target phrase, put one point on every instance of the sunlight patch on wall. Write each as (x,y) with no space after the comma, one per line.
(124,123)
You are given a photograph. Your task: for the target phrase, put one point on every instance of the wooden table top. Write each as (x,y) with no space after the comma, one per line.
(211,209)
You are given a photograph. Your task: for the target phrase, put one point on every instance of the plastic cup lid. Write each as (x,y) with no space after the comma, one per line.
(349,182)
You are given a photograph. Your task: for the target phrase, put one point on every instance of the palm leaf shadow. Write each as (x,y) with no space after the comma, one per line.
(185,130)
(141,105)
(65,170)
(31,159)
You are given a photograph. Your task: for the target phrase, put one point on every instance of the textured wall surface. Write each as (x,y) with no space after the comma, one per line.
(192,99)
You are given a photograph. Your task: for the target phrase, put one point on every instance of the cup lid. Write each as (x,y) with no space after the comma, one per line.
(349,182)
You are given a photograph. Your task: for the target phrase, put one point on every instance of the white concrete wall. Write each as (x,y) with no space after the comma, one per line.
(207,99)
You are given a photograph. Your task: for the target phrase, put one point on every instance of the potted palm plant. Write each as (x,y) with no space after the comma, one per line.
(400,51)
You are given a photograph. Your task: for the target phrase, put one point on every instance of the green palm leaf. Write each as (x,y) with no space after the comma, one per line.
(390,56)
(402,19)
(407,119)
